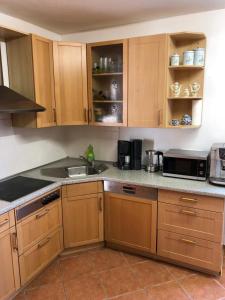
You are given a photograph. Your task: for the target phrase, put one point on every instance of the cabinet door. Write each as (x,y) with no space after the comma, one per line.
(83,220)
(8,279)
(147,81)
(44,80)
(131,221)
(70,83)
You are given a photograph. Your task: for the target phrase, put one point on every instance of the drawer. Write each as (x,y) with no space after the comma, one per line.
(37,257)
(79,189)
(37,226)
(189,250)
(191,200)
(7,220)
(194,222)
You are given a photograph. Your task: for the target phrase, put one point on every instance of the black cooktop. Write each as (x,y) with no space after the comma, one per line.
(19,186)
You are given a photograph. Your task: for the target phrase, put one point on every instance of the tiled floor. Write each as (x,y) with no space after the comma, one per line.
(107,274)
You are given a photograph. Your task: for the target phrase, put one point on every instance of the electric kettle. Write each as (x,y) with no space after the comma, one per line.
(152,160)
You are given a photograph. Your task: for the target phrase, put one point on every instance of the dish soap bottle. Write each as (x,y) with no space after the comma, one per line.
(90,156)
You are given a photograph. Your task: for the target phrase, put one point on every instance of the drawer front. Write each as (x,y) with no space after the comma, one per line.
(79,189)
(189,250)
(4,222)
(192,200)
(36,258)
(194,222)
(39,225)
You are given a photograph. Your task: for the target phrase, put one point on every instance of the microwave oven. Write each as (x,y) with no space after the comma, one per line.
(186,164)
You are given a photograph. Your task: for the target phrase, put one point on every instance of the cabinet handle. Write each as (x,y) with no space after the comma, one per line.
(85,115)
(90,115)
(4,222)
(188,212)
(54,115)
(188,241)
(40,245)
(184,199)
(42,214)
(100,203)
(14,241)
(160,117)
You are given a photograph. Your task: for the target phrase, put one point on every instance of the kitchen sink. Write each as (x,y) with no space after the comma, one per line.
(74,171)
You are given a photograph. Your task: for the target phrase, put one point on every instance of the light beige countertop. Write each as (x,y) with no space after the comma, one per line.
(114,174)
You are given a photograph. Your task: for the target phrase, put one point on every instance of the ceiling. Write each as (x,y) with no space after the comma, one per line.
(67,16)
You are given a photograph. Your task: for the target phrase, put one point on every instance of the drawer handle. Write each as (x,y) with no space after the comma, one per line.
(188,241)
(4,222)
(40,245)
(100,203)
(188,212)
(42,214)
(191,200)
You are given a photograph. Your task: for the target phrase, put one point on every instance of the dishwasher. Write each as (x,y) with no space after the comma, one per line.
(130,216)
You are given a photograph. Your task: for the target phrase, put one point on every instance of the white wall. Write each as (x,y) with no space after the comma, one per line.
(213,126)
(22,149)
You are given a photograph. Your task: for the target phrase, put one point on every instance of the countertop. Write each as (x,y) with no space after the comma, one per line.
(112,173)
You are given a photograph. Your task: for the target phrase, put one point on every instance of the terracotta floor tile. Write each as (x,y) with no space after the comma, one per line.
(133,259)
(179,272)
(75,266)
(118,281)
(106,259)
(46,292)
(87,287)
(151,273)
(20,296)
(201,287)
(138,295)
(170,290)
(50,275)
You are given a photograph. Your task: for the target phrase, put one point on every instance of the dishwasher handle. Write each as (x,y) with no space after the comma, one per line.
(129,189)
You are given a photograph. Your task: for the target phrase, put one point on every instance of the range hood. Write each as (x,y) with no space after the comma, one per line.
(12,102)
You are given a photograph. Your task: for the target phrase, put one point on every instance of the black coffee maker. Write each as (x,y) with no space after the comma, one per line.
(129,154)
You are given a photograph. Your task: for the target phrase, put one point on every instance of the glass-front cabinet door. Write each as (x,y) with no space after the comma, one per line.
(107,83)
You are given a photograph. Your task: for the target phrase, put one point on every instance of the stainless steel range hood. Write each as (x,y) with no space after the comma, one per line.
(12,102)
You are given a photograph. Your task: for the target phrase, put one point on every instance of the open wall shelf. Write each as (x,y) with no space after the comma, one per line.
(176,107)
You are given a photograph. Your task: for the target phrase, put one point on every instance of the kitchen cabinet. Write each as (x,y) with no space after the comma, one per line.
(10,280)
(190,229)
(70,83)
(107,83)
(82,214)
(30,64)
(37,226)
(39,233)
(131,221)
(40,255)
(147,81)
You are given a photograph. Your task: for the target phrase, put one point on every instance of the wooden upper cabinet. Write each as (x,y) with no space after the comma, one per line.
(107,83)
(30,64)
(44,80)
(70,83)
(147,80)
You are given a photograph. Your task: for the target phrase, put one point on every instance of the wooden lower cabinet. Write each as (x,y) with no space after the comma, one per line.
(194,222)
(38,225)
(190,250)
(83,220)
(131,221)
(10,281)
(37,257)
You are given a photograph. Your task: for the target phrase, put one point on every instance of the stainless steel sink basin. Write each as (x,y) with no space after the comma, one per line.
(74,171)
(85,170)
